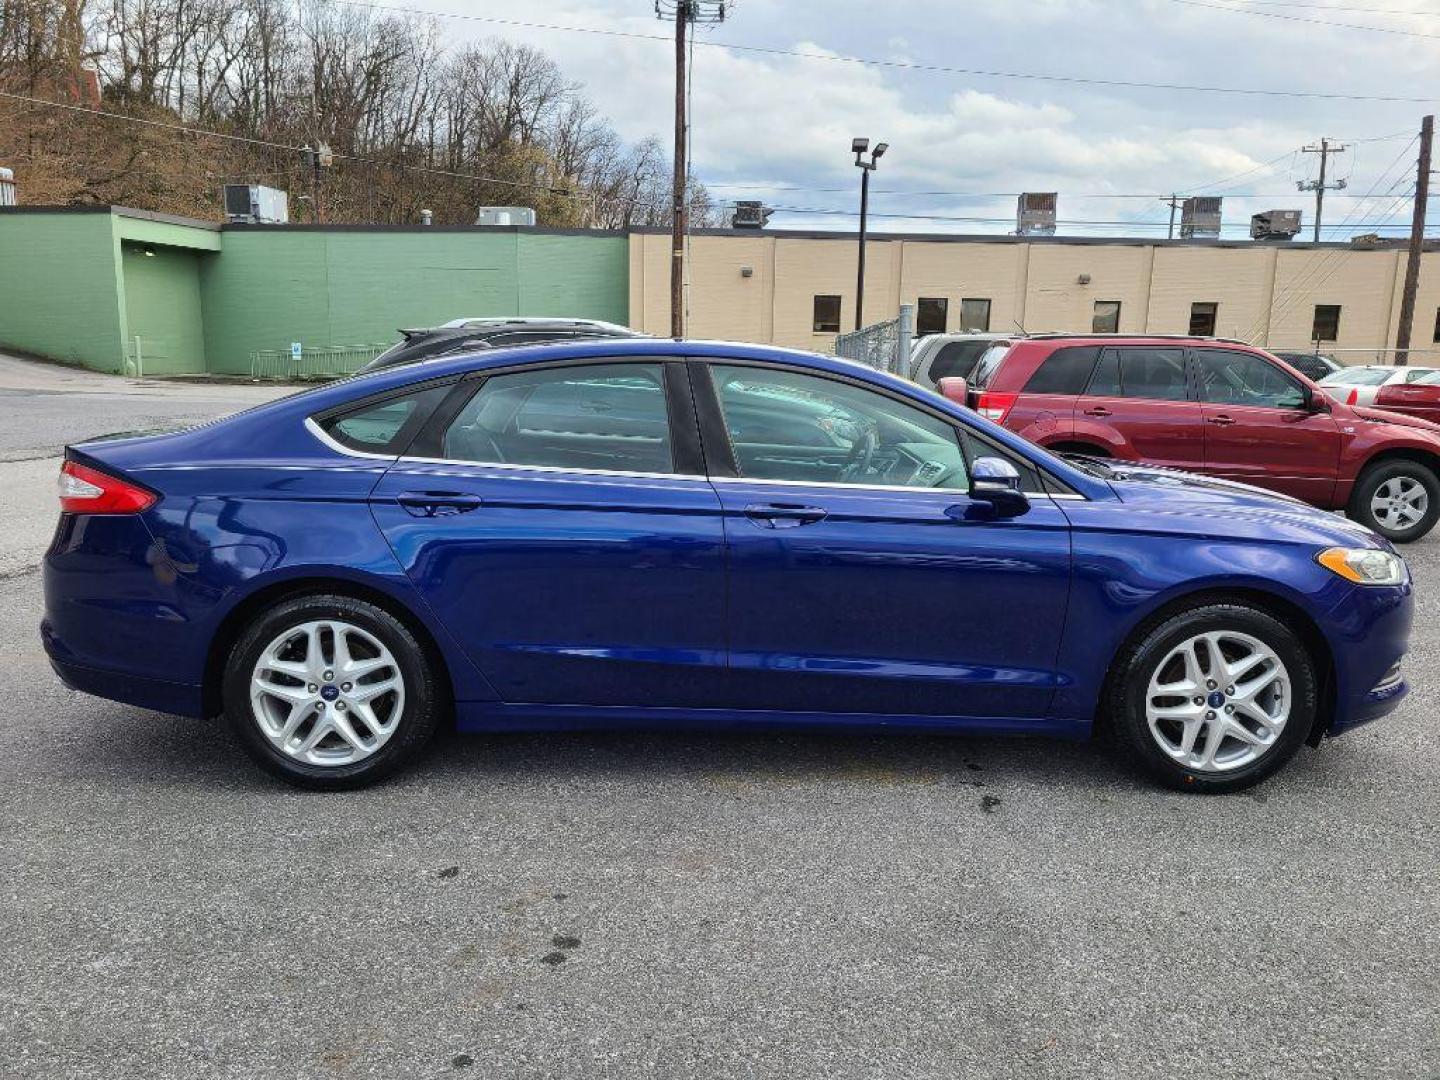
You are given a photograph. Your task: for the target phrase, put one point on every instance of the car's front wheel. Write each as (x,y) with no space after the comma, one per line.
(1213,699)
(1399,499)
(330,692)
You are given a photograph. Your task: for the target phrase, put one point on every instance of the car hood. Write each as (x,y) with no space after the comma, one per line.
(1224,507)
(1386,416)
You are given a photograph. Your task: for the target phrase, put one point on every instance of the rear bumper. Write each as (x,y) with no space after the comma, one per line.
(182,699)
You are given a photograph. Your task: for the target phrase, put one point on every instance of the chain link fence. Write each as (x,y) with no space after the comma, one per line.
(884,346)
(318,362)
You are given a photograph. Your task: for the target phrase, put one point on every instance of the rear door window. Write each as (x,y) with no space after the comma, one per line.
(1157,374)
(956,359)
(605,417)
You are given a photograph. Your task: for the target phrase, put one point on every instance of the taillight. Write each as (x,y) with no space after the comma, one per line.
(1352,398)
(995,406)
(84,490)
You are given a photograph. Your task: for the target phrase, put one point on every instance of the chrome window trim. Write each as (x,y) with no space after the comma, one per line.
(557,470)
(547,469)
(340,448)
(951,492)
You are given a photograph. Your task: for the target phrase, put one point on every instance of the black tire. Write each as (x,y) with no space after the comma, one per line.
(1124,705)
(1395,469)
(424,700)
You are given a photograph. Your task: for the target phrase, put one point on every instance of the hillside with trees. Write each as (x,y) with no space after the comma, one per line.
(412,121)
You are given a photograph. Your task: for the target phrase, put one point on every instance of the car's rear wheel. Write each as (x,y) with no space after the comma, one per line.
(330,692)
(1399,499)
(1214,698)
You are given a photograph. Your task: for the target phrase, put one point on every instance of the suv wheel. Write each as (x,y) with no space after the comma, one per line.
(330,692)
(1213,699)
(1399,499)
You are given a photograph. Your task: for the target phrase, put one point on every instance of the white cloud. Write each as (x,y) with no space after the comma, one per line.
(778,119)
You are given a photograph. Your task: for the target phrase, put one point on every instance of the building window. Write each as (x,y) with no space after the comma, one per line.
(1435,337)
(1202,319)
(827,314)
(1107,317)
(974,315)
(1327,323)
(930,315)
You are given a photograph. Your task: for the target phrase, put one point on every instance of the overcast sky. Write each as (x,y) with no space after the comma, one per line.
(778,127)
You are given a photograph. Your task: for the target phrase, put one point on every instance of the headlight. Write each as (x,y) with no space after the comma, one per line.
(1364,566)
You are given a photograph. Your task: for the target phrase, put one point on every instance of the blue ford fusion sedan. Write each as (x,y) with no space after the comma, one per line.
(641,532)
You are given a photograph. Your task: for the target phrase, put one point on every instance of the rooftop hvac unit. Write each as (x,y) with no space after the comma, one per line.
(505,215)
(750,214)
(1200,217)
(1275,225)
(256,204)
(1035,214)
(7,187)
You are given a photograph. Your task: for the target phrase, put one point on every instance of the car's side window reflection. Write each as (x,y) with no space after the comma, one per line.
(1235,378)
(609,417)
(784,425)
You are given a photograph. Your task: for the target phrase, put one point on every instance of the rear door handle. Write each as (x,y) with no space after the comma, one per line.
(426,504)
(783,515)
(1099,410)
(1222,420)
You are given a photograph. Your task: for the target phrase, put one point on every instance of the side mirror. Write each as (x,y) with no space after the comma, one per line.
(1316,401)
(995,482)
(954,388)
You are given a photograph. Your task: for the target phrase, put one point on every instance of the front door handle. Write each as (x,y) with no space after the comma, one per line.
(1099,410)
(427,504)
(1222,420)
(783,515)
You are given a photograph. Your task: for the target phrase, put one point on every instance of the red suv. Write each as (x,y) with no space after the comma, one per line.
(1218,407)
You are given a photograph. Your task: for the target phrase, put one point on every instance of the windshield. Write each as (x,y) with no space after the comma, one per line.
(988,364)
(1366,376)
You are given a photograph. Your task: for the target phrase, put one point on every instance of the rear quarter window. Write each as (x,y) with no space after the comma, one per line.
(1064,371)
(386,426)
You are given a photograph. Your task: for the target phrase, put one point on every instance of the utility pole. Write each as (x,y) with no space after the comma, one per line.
(1417,241)
(1174,202)
(686,14)
(858,146)
(1325,149)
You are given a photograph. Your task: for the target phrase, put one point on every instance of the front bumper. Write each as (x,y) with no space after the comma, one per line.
(1369,635)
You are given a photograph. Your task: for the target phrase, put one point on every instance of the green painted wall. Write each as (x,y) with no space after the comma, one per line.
(59,287)
(162,307)
(77,285)
(270,287)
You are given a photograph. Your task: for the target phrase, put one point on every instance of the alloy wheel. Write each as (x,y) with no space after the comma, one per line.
(1400,502)
(1218,701)
(327,693)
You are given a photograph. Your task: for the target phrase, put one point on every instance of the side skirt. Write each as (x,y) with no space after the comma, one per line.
(495,716)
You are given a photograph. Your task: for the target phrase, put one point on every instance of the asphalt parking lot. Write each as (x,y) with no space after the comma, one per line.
(687,905)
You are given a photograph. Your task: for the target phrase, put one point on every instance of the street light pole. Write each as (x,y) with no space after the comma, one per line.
(858,146)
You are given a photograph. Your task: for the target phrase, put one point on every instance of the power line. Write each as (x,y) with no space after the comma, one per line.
(903,65)
(1306,19)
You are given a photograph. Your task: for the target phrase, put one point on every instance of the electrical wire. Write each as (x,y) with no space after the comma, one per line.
(1307,19)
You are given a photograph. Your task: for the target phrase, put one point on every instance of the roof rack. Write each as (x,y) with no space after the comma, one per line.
(1051,335)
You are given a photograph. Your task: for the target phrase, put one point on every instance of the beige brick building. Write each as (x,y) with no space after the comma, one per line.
(784,288)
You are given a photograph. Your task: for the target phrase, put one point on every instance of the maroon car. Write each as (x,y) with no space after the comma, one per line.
(1419,396)
(1218,407)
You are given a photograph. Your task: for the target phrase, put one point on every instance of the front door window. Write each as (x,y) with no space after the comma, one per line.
(784,425)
